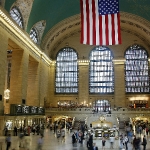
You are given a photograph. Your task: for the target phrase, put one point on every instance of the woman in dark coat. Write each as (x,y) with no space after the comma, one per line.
(74,138)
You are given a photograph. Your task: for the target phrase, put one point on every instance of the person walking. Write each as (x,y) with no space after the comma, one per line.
(5,130)
(144,143)
(8,142)
(40,143)
(147,130)
(26,144)
(21,139)
(90,141)
(63,135)
(121,142)
(111,139)
(103,143)
(126,140)
(58,134)
(15,131)
(74,140)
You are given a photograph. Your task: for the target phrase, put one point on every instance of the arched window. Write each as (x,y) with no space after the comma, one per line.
(16,15)
(34,35)
(66,71)
(101,105)
(101,71)
(136,70)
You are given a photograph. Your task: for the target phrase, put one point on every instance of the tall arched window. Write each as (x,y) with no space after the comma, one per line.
(101,71)
(16,15)
(66,71)
(34,35)
(136,70)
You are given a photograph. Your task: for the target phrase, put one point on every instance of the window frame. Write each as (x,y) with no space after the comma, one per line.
(19,20)
(103,84)
(36,35)
(75,72)
(135,74)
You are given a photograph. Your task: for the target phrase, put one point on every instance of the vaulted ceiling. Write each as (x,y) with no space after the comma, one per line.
(55,11)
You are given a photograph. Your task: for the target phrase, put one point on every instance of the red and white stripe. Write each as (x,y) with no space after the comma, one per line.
(98,29)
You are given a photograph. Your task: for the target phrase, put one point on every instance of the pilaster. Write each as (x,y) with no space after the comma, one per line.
(83,82)
(119,95)
(3,66)
(18,80)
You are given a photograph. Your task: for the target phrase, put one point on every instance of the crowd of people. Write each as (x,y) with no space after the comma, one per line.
(135,136)
(22,132)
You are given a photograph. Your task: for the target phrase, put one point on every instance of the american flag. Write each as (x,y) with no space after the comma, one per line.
(100,22)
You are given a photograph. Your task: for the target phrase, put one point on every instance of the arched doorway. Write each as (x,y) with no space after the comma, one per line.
(101,105)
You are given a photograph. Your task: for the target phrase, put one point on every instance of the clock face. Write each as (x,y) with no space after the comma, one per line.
(25,109)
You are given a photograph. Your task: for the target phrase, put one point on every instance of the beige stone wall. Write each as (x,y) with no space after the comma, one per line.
(119,98)
(3,66)
(119,86)
(29,79)
(25,67)
(44,84)
(83,83)
(18,79)
(33,83)
(1,125)
(52,101)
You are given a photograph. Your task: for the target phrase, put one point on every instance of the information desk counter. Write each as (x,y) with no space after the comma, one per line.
(106,133)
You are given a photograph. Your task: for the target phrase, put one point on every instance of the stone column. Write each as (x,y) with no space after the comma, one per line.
(149,97)
(33,82)
(3,66)
(51,85)
(83,82)
(2,121)
(119,95)
(43,83)
(25,65)
(18,80)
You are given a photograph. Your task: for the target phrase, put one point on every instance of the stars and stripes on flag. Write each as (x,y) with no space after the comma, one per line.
(100,22)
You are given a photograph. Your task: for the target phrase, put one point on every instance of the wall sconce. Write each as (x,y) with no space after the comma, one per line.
(7,94)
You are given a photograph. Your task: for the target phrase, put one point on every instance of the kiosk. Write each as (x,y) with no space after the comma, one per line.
(103,128)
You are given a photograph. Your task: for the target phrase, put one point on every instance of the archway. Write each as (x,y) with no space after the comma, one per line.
(101,105)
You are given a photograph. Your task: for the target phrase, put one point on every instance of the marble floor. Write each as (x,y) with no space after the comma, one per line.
(51,143)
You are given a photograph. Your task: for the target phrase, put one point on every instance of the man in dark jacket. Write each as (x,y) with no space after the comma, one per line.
(8,142)
(90,142)
(144,143)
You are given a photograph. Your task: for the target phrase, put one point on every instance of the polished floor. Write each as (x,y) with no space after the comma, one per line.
(51,143)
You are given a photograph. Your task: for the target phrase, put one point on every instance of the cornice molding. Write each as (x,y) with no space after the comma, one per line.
(20,35)
(60,28)
(73,25)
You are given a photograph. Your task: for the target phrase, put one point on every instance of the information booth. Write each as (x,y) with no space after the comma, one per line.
(103,128)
